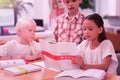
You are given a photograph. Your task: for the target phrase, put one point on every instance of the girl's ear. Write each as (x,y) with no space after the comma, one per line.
(100,30)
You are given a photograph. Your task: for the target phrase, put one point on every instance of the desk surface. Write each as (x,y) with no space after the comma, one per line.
(44,74)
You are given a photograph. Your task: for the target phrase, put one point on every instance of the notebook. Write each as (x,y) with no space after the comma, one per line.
(22,69)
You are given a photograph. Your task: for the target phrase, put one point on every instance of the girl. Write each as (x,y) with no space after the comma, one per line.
(96,51)
(24,47)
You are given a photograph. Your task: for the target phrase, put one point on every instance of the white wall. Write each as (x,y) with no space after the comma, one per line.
(101,7)
(41,11)
(38,9)
(112,7)
(104,7)
(118,7)
(46,13)
(108,7)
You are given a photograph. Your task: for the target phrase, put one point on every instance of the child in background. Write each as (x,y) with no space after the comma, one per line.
(96,51)
(24,46)
(68,26)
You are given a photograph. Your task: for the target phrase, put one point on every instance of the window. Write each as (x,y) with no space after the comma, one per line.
(7,17)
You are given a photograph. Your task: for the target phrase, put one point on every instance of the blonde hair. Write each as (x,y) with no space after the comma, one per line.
(24,22)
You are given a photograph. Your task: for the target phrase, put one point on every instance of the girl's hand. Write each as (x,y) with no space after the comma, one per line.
(42,57)
(1,68)
(78,60)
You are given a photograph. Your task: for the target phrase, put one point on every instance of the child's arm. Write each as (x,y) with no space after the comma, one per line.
(33,57)
(104,65)
(5,58)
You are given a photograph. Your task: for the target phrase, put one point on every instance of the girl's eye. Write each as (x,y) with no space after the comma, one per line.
(90,29)
(84,29)
(73,0)
(29,30)
(68,1)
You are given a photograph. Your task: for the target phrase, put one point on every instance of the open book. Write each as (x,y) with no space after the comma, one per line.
(9,63)
(22,69)
(77,74)
(59,55)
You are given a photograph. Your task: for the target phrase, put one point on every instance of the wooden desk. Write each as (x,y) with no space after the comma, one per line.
(44,74)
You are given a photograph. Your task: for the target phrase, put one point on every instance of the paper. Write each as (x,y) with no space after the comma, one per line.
(42,64)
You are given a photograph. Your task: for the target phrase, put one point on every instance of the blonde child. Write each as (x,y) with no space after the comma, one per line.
(24,46)
(96,51)
(68,25)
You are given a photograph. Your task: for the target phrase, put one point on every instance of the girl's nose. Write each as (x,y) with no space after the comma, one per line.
(33,32)
(70,3)
(86,32)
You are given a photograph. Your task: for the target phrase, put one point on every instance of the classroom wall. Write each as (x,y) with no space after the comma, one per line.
(104,7)
(41,11)
(108,7)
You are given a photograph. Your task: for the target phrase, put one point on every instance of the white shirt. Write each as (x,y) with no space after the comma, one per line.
(13,48)
(97,55)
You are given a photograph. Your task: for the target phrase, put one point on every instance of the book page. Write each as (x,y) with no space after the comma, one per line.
(78,74)
(92,73)
(65,48)
(42,64)
(70,73)
(59,55)
(59,48)
(68,65)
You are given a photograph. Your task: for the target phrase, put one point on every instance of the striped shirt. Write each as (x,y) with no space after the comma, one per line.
(67,30)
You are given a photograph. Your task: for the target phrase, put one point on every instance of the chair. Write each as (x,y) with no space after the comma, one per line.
(118,69)
(115,39)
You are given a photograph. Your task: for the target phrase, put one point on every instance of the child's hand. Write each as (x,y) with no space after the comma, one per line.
(42,57)
(77,60)
(17,57)
(1,68)
(29,58)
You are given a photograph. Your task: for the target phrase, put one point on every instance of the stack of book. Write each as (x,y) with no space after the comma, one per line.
(18,66)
